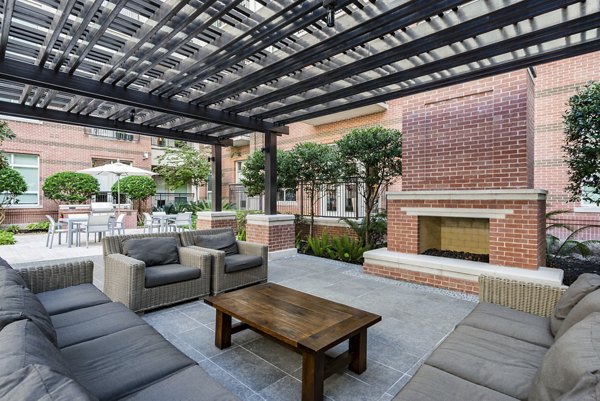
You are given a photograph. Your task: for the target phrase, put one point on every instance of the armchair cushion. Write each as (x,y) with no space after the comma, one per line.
(153,251)
(235,263)
(168,274)
(225,242)
(584,284)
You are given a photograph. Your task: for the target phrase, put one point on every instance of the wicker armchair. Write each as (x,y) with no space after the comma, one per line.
(528,297)
(221,281)
(125,279)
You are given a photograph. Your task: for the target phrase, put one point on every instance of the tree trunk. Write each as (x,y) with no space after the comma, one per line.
(312,213)
(367,220)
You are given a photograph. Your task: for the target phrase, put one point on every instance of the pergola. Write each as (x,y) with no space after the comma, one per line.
(209,70)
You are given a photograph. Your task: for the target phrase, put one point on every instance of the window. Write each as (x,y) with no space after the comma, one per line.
(28,166)
(286,195)
(588,198)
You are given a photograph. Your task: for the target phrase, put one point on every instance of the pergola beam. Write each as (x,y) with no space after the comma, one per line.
(19,110)
(9,8)
(42,77)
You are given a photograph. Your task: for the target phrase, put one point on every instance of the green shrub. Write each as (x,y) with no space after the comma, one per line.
(319,246)
(70,187)
(13,229)
(40,226)
(347,249)
(7,238)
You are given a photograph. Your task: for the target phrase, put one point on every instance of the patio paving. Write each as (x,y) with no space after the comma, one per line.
(415,319)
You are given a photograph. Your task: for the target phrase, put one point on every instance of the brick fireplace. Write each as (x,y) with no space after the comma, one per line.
(467,186)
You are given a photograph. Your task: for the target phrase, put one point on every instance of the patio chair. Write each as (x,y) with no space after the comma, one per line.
(150,223)
(181,222)
(54,227)
(147,271)
(96,225)
(235,264)
(118,225)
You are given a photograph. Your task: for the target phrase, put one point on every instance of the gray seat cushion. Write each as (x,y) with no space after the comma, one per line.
(95,321)
(584,284)
(119,364)
(39,382)
(235,263)
(509,322)
(186,384)
(153,251)
(168,274)
(72,298)
(588,305)
(224,241)
(23,344)
(571,368)
(499,362)
(432,384)
(18,302)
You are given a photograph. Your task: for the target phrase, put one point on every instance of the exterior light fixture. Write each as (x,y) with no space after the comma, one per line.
(211,159)
(330,7)
(132,115)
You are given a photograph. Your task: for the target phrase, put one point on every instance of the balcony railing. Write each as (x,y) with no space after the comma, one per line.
(110,134)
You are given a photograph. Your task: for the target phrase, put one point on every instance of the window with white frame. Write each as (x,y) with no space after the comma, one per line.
(28,166)
(589,198)
(286,195)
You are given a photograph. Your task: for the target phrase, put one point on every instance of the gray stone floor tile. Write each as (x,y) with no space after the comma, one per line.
(284,358)
(253,371)
(202,339)
(288,388)
(392,356)
(343,387)
(399,385)
(377,375)
(386,397)
(200,312)
(173,322)
(228,381)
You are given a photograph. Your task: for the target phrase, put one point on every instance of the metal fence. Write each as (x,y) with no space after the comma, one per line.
(331,199)
(159,200)
(587,228)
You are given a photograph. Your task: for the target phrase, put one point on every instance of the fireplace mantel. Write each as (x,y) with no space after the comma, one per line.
(477,194)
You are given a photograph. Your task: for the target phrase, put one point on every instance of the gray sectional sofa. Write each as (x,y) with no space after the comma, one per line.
(501,354)
(62,339)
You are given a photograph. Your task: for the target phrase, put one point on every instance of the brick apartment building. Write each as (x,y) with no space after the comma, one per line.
(42,149)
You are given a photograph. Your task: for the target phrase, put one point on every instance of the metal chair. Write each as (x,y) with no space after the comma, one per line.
(181,222)
(118,225)
(96,225)
(150,223)
(54,227)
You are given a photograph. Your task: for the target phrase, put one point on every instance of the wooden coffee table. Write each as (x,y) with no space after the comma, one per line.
(307,324)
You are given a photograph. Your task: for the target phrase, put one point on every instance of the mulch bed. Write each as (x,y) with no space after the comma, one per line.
(575,266)
(475,257)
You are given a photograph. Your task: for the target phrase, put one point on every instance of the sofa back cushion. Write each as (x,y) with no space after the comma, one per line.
(22,344)
(154,251)
(18,302)
(39,382)
(584,284)
(588,305)
(571,367)
(224,241)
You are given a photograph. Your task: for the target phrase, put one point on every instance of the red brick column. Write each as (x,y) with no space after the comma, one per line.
(207,220)
(277,231)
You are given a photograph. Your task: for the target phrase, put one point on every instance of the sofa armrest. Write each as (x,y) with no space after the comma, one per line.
(124,280)
(54,277)
(251,248)
(539,299)
(194,257)
(218,257)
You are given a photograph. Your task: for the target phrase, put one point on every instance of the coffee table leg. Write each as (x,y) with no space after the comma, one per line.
(358,352)
(223,330)
(313,375)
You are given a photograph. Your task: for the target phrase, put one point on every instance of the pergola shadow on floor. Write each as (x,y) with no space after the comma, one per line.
(415,319)
(207,71)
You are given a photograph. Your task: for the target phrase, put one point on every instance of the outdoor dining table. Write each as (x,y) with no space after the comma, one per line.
(72,221)
(164,220)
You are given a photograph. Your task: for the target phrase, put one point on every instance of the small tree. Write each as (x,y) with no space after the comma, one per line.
(70,187)
(582,144)
(183,164)
(374,156)
(136,188)
(12,184)
(5,133)
(314,165)
(253,172)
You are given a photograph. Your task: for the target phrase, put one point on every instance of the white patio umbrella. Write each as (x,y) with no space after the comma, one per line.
(120,170)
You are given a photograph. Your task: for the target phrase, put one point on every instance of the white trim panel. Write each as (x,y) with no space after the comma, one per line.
(457,212)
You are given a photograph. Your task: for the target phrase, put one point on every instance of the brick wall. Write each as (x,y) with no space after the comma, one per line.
(65,148)
(278,237)
(202,224)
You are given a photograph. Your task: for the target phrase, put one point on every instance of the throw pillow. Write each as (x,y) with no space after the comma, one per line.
(18,302)
(584,284)
(224,241)
(572,364)
(588,305)
(156,251)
